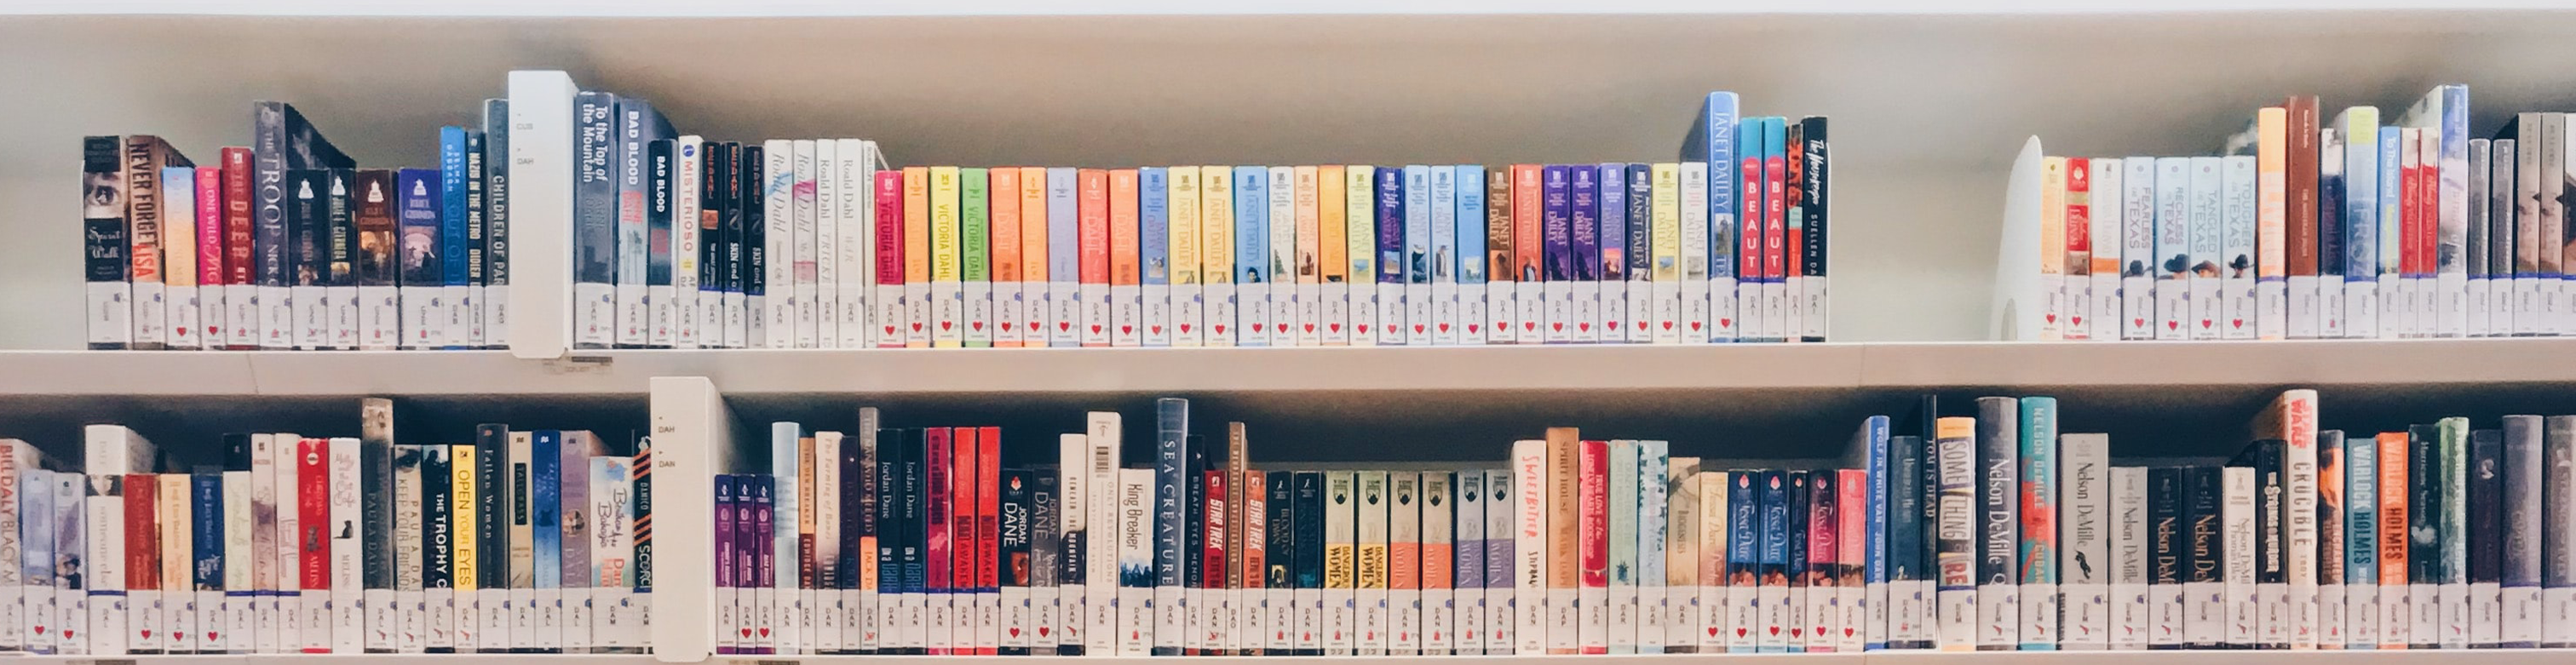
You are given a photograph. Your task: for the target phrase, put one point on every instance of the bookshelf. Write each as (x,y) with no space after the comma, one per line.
(1930,101)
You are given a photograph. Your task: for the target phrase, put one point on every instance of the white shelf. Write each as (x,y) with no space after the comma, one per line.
(2448,657)
(1493,369)
(1928,100)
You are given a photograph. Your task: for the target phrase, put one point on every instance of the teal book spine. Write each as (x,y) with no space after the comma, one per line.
(2038,523)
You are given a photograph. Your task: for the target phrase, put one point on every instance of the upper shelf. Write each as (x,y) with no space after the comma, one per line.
(810,8)
(1811,368)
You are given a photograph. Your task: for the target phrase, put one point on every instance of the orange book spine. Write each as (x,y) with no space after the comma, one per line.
(1004,210)
(2394,615)
(1123,250)
(916,252)
(1526,242)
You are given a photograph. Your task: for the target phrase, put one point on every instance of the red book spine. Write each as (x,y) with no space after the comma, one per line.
(1748,217)
(1212,550)
(313,511)
(210,228)
(2428,216)
(237,218)
(988,521)
(1775,182)
(142,532)
(1526,243)
(889,254)
(962,538)
(1592,525)
(1092,186)
(938,466)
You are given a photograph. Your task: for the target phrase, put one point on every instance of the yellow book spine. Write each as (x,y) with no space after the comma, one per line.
(1183,205)
(1124,246)
(1216,217)
(1667,210)
(1360,232)
(463,516)
(1331,225)
(916,225)
(943,224)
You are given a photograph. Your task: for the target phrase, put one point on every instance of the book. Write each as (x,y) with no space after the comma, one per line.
(2085,527)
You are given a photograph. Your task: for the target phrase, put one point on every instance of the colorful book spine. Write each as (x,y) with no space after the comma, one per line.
(1957,535)
(2039,547)
(1592,546)
(975,194)
(1530,546)
(1389,224)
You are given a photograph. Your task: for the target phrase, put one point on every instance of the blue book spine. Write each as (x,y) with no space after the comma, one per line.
(2363,196)
(451,204)
(1613,204)
(207,488)
(2038,462)
(1417,224)
(1471,228)
(2392,194)
(634,121)
(1583,221)
(1776,562)
(1874,435)
(36,539)
(1390,227)
(1064,256)
(545,491)
(1715,138)
(594,190)
(1252,229)
(1743,535)
(1555,225)
(1641,226)
(2361,503)
(1171,462)
(1442,224)
(1153,186)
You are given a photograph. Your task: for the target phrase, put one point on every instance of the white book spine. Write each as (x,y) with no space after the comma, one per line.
(1529,546)
(1729,613)
(2085,520)
(288,596)
(1073,515)
(2137,204)
(1370,591)
(2131,613)
(2237,518)
(1138,634)
(1404,531)
(1701,302)
(348,572)
(1104,439)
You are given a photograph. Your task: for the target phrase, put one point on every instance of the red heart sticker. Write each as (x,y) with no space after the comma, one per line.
(1364,328)
(1775,630)
(2052,318)
(1558,327)
(1417,328)
(2240,323)
(1310,327)
(1220,329)
(1154,329)
(944,325)
(2077,320)
(764,631)
(979,325)
(1042,631)
(746,632)
(1471,328)
(1006,326)
(1584,326)
(1614,325)
(1256,327)
(1095,328)
(1335,327)
(2204,324)
(1185,327)
(147,633)
(1668,325)
(1015,631)
(1724,322)
(1064,325)
(916,326)
(2138,321)
(1694,326)
(1501,325)
(1444,327)
(889,330)
(1124,329)
(2172,325)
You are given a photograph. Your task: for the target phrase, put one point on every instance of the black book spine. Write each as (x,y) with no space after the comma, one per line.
(2168,556)
(437,533)
(594,199)
(858,530)
(1905,565)
(1998,510)
(751,270)
(2486,535)
(2522,529)
(2202,555)
(2271,509)
(339,209)
(915,568)
(269,185)
(470,309)
(1046,552)
(2424,522)
(1801,502)
(1308,516)
(496,222)
(1812,205)
(715,201)
(1074,545)
(492,527)
(1279,550)
(374,193)
(1194,535)
(1014,544)
(1928,555)
(376,515)
(889,530)
(308,226)
(103,241)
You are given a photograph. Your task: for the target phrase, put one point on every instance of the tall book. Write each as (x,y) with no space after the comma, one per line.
(1957,535)
(1999,533)
(1530,546)
(2524,531)
(2039,548)
(2131,545)
(2084,524)
(2237,541)
(1563,531)
(2361,496)
(2292,418)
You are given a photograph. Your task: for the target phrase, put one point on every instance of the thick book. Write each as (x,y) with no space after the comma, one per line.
(1956,534)
(2361,496)
(2084,522)
(2039,548)
(1999,526)
(2204,560)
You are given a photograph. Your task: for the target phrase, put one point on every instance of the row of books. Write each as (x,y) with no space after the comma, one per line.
(1991,531)
(521,542)
(816,244)
(2352,228)
(288,245)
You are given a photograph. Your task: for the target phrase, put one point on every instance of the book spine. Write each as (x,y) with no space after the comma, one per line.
(1280,254)
(1592,543)
(1469,537)
(1171,454)
(1654,537)
(495,315)
(1136,490)
(2524,530)
(2485,533)
(466,543)
(2237,538)
(1531,537)
(1073,481)
(1104,439)
(1958,535)
(2453,458)
(1583,201)
(438,552)
(1563,500)
(2396,619)
(1773,490)
(1307,508)
(595,221)
(346,609)
(2361,546)
(1501,560)
(2039,546)
(1821,552)
(1998,605)
(2204,560)
(2083,525)
(1404,563)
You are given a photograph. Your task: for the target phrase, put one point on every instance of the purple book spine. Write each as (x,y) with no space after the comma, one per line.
(763,512)
(724,544)
(1390,225)
(1583,216)
(1554,224)
(1614,223)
